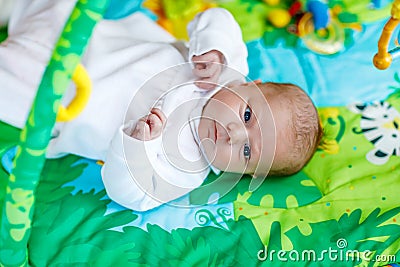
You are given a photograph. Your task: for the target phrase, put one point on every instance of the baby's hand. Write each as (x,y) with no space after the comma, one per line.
(206,70)
(150,127)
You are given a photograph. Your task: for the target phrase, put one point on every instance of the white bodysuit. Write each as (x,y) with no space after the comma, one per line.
(123,58)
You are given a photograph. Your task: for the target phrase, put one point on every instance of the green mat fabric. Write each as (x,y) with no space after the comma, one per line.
(3,33)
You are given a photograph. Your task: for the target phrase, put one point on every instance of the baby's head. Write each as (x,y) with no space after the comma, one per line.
(263,129)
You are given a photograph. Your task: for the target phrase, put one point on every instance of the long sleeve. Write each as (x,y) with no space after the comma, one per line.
(131,173)
(217,29)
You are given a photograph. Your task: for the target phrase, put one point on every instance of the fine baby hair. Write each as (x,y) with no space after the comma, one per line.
(305,132)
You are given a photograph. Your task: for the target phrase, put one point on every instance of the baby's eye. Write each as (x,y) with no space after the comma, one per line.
(247,114)
(246,151)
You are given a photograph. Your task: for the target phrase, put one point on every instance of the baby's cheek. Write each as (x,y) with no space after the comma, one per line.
(224,158)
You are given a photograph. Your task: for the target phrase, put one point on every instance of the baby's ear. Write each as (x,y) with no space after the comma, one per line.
(233,83)
(257,82)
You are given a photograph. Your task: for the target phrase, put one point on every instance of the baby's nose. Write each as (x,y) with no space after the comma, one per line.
(236,133)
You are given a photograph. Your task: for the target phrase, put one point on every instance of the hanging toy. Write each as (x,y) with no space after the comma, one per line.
(318,31)
(320,12)
(277,16)
(384,58)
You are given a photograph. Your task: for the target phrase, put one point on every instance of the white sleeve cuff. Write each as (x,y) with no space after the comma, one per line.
(216,29)
(118,179)
(137,175)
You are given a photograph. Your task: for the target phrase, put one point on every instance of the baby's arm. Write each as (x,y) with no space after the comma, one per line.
(137,176)
(215,36)
(127,160)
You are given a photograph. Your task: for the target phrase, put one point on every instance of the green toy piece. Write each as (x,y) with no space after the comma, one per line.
(19,201)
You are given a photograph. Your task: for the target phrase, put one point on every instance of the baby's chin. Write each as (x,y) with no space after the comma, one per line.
(229,167)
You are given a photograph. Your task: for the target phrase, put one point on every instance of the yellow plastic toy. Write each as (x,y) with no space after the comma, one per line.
(384,58)
(83,90)
(277,16)
(272,2)
(326,41)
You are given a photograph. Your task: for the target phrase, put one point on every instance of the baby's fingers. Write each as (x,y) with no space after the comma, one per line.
(208,83)
(206,65)
(206,69)
(159,114)
(156,121)
(142,130)
(150,127)
(155,124)
(211,56)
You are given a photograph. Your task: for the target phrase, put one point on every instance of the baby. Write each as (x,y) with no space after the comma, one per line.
(203,115)
(242,127)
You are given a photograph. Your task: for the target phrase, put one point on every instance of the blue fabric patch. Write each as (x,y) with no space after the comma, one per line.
(7,159)
(118,9)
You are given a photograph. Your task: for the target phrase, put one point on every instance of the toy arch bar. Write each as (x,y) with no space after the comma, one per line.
(18,208)
(384,58)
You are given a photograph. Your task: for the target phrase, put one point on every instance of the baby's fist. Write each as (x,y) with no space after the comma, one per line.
(150,127)
(208,68)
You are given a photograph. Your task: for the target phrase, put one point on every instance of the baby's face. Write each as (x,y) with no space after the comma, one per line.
(237,130)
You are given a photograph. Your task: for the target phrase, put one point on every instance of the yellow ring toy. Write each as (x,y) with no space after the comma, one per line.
(83,90)
(383,59)
(326,41)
